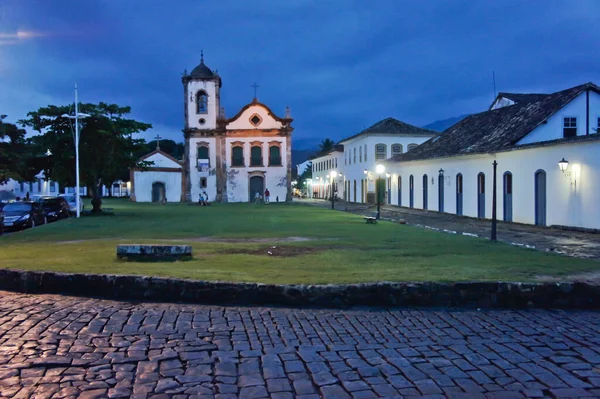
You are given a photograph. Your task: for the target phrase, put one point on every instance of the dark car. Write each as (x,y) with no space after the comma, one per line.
(1,218)
(56,208)
(21,215)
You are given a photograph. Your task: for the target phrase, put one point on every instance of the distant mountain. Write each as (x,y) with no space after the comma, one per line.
(443,124)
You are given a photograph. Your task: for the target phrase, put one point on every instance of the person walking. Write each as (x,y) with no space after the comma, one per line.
(257,198)
(267,195)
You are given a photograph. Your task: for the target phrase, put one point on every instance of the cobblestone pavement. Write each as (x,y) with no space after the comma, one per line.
(571,243)
(65,347)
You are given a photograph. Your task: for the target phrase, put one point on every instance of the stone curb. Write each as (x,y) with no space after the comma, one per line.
(468,294)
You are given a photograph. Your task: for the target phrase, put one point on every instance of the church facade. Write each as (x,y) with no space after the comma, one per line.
(230,159)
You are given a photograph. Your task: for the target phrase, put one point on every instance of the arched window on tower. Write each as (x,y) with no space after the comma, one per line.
(201,102)
(396,149)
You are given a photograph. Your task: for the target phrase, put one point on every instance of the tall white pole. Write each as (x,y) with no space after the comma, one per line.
(77,152)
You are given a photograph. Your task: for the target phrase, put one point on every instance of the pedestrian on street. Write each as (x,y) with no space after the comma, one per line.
(267,195)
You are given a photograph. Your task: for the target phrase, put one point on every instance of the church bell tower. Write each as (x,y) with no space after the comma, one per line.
(201,97)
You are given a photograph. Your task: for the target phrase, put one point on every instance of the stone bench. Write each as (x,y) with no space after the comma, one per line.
(153,253)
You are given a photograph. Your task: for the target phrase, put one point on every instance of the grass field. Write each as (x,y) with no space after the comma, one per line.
(231,242)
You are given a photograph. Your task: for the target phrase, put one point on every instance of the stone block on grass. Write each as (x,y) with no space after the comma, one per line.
(153,253)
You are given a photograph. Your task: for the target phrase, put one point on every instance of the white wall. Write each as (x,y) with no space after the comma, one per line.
(238,178)
(143,181)
(354,171)
(210,87)
(567,204)
(321,168)
(196,175)
(161,161)
(553,128)
(243,122)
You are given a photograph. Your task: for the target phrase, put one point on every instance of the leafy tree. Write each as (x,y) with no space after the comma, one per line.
(326,145)
(170,147)
(14,153)
(307,174)
(106,144)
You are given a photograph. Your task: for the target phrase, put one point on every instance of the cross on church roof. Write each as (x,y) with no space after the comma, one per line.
(255,86)
(158,141)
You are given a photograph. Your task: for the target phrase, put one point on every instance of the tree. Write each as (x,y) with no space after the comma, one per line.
(170,147)
(326,145)
(13,153)
(304,177)
(106,144)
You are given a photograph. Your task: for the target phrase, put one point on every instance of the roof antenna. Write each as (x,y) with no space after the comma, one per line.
(494,79)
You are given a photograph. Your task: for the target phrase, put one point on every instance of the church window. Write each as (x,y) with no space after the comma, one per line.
(255,120)
(203,158)
(21,186)
(380,151)
(202,121)
(274,155)
(570,127)
(365,153)
(396,149)
(354,154)
(360,154)
(411,146)
(203,182)
(237,156)
(201,102)
(39,185)
(256,155)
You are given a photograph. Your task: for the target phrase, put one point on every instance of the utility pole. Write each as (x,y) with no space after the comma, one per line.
(495,164)
(77,200)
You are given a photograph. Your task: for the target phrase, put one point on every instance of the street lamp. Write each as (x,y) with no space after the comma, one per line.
(77,116)
(333,176)
(380,169)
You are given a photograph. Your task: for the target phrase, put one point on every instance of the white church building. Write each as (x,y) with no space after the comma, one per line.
(229,159)
(547,150)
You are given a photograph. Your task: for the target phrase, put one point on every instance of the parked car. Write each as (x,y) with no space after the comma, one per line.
(21,215)
(72,200)
(56,208)
(1,218)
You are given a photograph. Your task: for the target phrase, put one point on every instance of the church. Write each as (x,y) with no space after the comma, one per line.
(228,159)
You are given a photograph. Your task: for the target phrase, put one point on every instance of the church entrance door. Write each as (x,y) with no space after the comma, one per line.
(158,192)
(257,185)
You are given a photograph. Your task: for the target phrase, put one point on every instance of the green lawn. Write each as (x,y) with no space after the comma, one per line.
(337,247)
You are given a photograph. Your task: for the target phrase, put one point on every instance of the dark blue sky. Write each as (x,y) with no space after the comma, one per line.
(339,65)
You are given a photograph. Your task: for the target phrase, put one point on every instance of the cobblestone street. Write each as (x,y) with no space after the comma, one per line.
(63,347)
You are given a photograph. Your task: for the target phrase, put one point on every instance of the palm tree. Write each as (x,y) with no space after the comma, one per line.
(326,145)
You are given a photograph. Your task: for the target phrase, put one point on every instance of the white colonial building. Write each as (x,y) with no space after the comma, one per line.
(355,157)
(229,159)
(45,187)
(547,150)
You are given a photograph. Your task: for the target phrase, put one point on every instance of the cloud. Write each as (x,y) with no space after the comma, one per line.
(339,65)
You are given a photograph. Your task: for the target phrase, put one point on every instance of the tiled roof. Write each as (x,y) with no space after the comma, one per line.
(521,98)
(393,126)
(495,130)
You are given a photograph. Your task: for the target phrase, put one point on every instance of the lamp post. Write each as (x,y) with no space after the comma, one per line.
(77,116)
(333,175)
(380,169)
(493,238)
